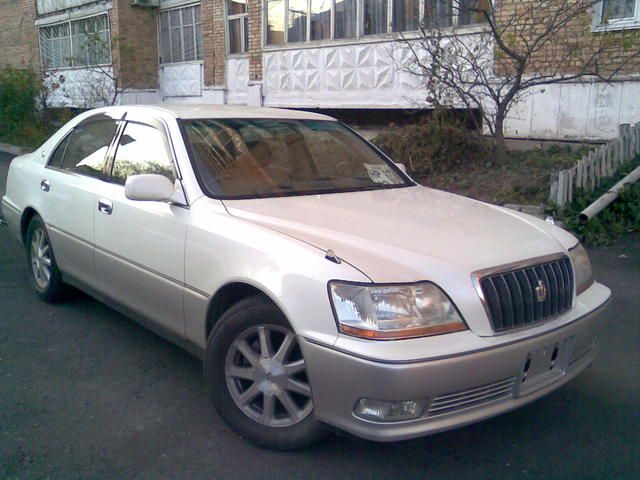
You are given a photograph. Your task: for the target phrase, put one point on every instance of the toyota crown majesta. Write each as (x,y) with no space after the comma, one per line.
(319,284)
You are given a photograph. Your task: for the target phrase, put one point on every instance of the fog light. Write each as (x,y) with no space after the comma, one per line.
(381,411)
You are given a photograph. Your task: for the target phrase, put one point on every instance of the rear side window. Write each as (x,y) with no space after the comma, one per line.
(58,154)
(141,150)
(87,148)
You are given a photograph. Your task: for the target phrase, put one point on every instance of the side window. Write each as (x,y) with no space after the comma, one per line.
(87,147)
(58,154)
(141,150)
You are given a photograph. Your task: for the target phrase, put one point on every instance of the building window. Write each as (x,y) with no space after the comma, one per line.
(180,35)
(76,43)
(238,26)
(309,20)
(617,14)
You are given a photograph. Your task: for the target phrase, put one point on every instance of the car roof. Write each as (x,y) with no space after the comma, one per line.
(199,111)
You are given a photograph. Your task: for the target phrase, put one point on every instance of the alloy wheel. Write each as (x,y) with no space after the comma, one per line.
(266,376)
(40,256)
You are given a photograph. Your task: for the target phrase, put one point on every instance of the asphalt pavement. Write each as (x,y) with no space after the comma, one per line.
(87,393)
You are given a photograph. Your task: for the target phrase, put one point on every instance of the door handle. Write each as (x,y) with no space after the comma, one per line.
(45,185)
(105,206)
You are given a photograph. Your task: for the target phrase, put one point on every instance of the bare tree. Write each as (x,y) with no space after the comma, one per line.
(519,45)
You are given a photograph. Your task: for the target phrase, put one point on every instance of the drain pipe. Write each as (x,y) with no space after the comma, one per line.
(600,204)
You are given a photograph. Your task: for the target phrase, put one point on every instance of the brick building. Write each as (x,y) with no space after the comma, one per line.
(324,54)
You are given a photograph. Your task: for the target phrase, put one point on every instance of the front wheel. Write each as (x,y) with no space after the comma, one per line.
(257,377)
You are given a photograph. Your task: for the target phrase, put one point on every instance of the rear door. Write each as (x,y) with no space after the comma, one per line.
(74,172)
(140,245)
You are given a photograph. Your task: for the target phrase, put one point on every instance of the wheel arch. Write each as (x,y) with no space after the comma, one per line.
(25,219)
(230,294)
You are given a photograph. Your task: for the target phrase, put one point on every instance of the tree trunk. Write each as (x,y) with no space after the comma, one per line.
(500,147)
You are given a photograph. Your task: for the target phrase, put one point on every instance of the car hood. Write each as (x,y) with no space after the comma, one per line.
(407,234)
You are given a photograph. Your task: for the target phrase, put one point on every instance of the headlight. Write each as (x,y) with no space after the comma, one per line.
(581,267)
(388,312)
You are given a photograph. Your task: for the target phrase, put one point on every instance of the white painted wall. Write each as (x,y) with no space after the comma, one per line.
(344,76)
(48,6)
(372,75)
(79,87)
(585,110)
(237,80)
(181,80)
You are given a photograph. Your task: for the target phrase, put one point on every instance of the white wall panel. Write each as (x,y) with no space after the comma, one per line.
(237,80)
(374,75)
(575,111)
(79,87)
(48,6)
(364,75)
(181,80)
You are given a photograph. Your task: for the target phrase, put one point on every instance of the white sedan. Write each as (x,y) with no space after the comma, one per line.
(319,284)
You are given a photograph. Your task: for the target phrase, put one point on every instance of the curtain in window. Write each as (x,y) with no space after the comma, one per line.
(297,26)
(375,16)
(438,13)
(345,19)
(320,19)
(470,11)
(615,9)
(275,22)
(55,46)
(405,15)
(181,35)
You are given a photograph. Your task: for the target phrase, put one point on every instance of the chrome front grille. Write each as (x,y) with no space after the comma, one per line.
(528,295)
(472,397)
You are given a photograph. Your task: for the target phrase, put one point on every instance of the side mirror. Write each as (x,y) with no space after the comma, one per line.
(150,187)
(401,166)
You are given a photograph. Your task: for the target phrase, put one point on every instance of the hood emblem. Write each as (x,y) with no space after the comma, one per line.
(541,291)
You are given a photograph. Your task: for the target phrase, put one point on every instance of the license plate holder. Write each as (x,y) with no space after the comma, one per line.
(544,366)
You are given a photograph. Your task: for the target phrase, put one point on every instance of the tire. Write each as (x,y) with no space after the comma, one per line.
(44,274)
(256,376)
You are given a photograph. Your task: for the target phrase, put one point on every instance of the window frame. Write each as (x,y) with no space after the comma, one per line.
(236,16)
(627,23)
(152,123)
(70,36)
(359,27)
(181,27)
(106,162)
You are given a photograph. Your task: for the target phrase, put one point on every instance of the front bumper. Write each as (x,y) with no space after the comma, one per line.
(459,389)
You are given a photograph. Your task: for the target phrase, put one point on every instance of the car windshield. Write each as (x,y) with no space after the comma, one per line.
(249,158)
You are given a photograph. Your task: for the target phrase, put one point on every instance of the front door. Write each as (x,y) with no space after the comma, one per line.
(139,246)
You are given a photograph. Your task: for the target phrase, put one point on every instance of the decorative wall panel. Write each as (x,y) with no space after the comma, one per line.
(79,87)
(237,80)
(181,80)
(339,76)
(48,6)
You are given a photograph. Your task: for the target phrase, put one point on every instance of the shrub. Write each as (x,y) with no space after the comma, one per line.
(433,145)
(20,120)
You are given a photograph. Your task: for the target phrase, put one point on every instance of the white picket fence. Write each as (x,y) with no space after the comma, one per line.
(599,164)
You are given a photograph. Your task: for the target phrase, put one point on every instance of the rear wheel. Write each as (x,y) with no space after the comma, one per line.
(257,377)
(44,275)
